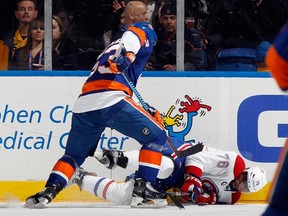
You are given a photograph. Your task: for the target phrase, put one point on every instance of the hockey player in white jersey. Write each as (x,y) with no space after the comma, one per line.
(212,176)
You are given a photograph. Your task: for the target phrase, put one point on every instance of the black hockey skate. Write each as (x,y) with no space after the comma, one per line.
(41,199)
(145,196)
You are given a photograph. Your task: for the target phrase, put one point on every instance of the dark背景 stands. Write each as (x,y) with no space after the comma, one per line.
(25,12)
(31,56)
(64,52)
(164,54)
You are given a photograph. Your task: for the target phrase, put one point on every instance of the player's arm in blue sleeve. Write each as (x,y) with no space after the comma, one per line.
(277,58)
(129,46)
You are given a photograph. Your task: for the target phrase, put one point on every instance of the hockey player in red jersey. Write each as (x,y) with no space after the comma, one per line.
(212,176)
(106,101)
(277,62)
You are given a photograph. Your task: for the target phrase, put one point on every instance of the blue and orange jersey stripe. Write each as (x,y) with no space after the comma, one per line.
(150,158)
(63,169)
(278,67)
(143,111)
(140,34)
(102,85)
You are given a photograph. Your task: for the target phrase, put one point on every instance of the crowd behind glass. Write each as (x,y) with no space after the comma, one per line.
(231,35)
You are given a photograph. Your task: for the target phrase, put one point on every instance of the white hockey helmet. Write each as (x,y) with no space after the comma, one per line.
(256,178)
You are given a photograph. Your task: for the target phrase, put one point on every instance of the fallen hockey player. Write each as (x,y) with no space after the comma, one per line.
(212,176)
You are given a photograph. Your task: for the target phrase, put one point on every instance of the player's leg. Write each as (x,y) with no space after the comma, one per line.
(133,121)
(105,188)
(129,160)
(81,143)
(279,189)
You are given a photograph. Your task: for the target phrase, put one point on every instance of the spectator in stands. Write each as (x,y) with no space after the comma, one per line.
(164,55)
(117,22)
(199,10)
(26,11)
(153,8)
(118,18)
(31,56)
(63,14)
(64,52)
(4,52)
(61,9)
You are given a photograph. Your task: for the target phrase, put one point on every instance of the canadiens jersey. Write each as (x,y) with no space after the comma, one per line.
(215,167)
(104,88)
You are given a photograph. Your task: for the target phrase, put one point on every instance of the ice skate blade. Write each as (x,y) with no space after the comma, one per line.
(202,204)
(32,203)
(139,202)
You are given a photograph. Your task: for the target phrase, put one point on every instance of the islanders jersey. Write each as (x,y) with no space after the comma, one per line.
(104,87)
(277,58)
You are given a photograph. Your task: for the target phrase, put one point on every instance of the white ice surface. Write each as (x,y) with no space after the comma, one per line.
(106,209)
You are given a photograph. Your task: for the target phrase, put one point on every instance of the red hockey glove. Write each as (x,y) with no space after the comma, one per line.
(206,198)
(192,185)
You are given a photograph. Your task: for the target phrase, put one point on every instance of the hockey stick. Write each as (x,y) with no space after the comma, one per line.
(173,196)
(175,200)
(179,193)
(189,151)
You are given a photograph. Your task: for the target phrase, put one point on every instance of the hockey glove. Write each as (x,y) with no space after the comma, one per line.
(206,198)
(155,114)
(108,158)
(122,62)
(192,185)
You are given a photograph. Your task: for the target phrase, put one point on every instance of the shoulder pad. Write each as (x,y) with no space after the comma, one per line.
(149,31)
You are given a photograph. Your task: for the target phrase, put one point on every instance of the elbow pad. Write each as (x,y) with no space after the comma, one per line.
(122,62)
